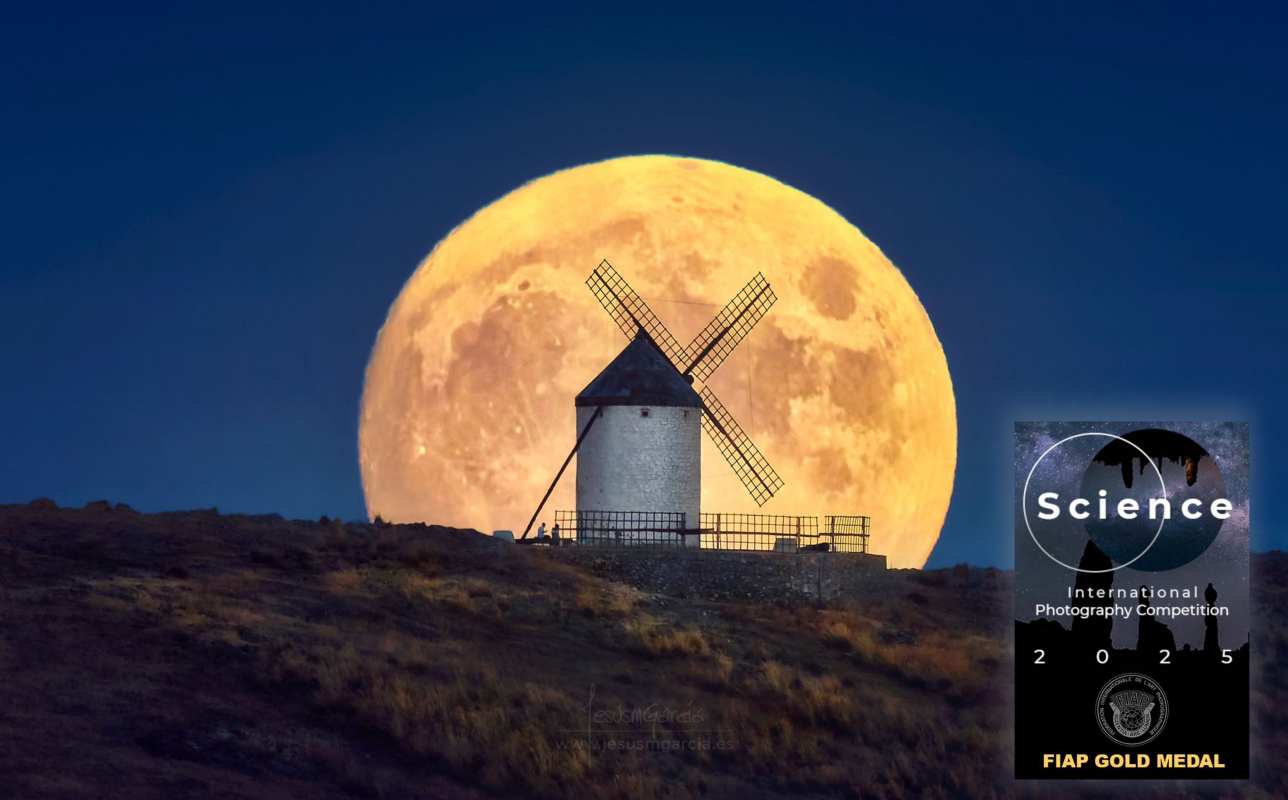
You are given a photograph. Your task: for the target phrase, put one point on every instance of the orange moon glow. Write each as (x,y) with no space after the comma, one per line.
(467,410)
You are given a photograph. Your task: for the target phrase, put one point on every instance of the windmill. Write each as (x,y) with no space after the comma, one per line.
(635,380)
(699,360)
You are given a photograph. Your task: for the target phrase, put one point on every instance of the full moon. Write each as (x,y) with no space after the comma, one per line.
(467,409)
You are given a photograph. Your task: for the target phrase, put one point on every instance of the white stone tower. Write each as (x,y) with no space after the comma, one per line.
(644,453)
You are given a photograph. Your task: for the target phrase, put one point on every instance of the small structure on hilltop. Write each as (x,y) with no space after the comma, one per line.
(638,448)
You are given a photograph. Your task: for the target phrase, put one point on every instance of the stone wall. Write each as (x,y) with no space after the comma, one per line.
(725,576)
(641,459)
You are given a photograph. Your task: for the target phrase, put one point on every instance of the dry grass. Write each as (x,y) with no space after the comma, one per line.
(815,700)
(715,673)
(648,636)
(960,664)
(613,600)
(206,656)
(469,718)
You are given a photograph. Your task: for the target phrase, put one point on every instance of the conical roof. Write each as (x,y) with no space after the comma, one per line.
(641,375)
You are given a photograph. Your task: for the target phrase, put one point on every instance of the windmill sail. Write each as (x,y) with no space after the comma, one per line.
(631,313)
(712,346)
(701,358)
(751,467)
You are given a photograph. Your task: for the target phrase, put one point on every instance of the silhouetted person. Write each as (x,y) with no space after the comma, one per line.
(1211,636)
(554,535)
(541,532)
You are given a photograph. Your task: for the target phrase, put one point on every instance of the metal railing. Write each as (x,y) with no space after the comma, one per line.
(715,531)
(849,532)
(757,532)
(840,534)
(623,528)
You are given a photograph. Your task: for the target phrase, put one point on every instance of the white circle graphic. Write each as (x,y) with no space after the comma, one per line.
(1024,501)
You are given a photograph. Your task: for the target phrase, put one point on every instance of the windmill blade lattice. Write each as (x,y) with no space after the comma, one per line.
(751,467)
(712,346)
(631,313)
(701,358)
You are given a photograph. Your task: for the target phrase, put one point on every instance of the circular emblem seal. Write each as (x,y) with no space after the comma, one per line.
(1132,709)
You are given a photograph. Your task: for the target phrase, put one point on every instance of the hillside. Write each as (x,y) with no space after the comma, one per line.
(208,656)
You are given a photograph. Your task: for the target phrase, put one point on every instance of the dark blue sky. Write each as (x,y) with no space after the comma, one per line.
(207,216)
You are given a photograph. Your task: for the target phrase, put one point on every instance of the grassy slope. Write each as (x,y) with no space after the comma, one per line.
(200,655)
